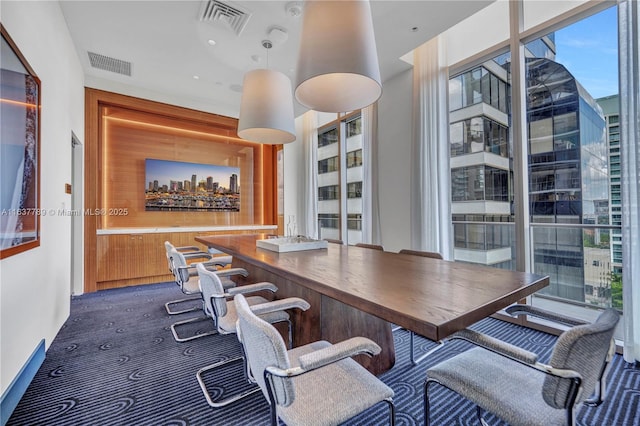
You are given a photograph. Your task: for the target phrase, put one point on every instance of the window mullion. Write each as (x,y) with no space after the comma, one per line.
(519,135)
(342,139)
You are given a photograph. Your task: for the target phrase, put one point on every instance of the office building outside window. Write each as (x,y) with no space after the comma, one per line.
(481,169)
(340,173)
(573,172)
(611,108)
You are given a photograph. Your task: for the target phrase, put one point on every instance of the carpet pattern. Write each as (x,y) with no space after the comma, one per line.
(115,362)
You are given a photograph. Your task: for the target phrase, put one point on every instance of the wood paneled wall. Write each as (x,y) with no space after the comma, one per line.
(140,258)
(131,137)
(121,132)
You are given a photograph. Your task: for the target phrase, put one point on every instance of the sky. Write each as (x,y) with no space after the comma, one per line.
(589,50)
(165,171)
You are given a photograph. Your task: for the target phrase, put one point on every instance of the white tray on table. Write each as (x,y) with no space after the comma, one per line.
(286,244)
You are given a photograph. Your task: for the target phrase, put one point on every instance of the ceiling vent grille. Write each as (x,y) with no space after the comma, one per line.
(224,12)
(109,64)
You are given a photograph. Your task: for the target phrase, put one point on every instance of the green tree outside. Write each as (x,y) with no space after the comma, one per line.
(616,291)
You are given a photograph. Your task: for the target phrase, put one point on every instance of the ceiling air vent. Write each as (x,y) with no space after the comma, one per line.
(226,13)
(109,64)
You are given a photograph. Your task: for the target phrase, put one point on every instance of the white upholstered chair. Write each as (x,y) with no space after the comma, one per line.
(222,311)
(186,277)
(314,384)
(190,253)
(511,383)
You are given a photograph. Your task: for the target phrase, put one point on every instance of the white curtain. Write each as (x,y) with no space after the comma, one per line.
(370,200)
(629,36)
(431,227)
(308,223)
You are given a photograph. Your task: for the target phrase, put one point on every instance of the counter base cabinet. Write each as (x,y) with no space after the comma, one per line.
(124,260)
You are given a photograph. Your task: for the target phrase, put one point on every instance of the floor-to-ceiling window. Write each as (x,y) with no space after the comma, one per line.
(340,176)
(481,166)
(572,218)
(572,171)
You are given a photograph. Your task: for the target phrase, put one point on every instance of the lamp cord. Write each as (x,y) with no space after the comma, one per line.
(267,44)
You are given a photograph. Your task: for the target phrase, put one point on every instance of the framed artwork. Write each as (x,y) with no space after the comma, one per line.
(179,186)
(19,152)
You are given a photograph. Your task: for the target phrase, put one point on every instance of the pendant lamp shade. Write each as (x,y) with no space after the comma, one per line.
(266,108)
(338,67)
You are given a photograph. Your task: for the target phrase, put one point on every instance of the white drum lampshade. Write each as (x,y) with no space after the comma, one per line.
(338,67)
(266,108)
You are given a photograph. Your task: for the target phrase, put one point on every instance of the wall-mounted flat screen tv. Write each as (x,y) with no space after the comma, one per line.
(179,186)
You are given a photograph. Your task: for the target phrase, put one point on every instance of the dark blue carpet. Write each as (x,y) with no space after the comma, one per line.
(115,362)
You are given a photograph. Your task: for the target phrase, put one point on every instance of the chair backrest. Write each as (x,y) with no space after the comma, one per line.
(583,349)
(169,247)
(264,347)
(370,246)
(430,254)
(181,273)
(212,292)
(333,241)
(179,266)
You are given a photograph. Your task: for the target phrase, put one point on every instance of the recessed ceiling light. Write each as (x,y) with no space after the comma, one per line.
(414,29)
(293,9)
(211,42)
(196,77)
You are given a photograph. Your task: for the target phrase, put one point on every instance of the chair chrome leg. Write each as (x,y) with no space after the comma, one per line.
(273,414)
(601,385)
(167,306)
(190,321)
(416,361)
(480,418)
(601,389)
(411,348)
(392,411)
(248,375)
(571,416)
(427,408)
(273,409)
(598,395)
(290,328)
(230,399)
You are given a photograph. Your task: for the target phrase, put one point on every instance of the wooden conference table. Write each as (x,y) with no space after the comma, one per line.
(356,291)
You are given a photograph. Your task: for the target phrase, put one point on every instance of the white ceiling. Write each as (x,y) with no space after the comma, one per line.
(167,44)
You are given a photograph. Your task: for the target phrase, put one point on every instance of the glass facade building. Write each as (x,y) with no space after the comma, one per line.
(568,169)
(611,108)
(340,174)
(481,165)
(568,174)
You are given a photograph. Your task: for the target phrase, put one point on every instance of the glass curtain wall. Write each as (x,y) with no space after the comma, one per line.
(571,194)
(573,164)
(340,173)
(329,182)
(481,164)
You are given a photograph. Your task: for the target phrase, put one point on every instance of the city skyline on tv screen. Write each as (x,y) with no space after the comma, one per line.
(182,186)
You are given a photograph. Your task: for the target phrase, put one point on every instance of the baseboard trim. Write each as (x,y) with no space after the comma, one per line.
(20,383)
